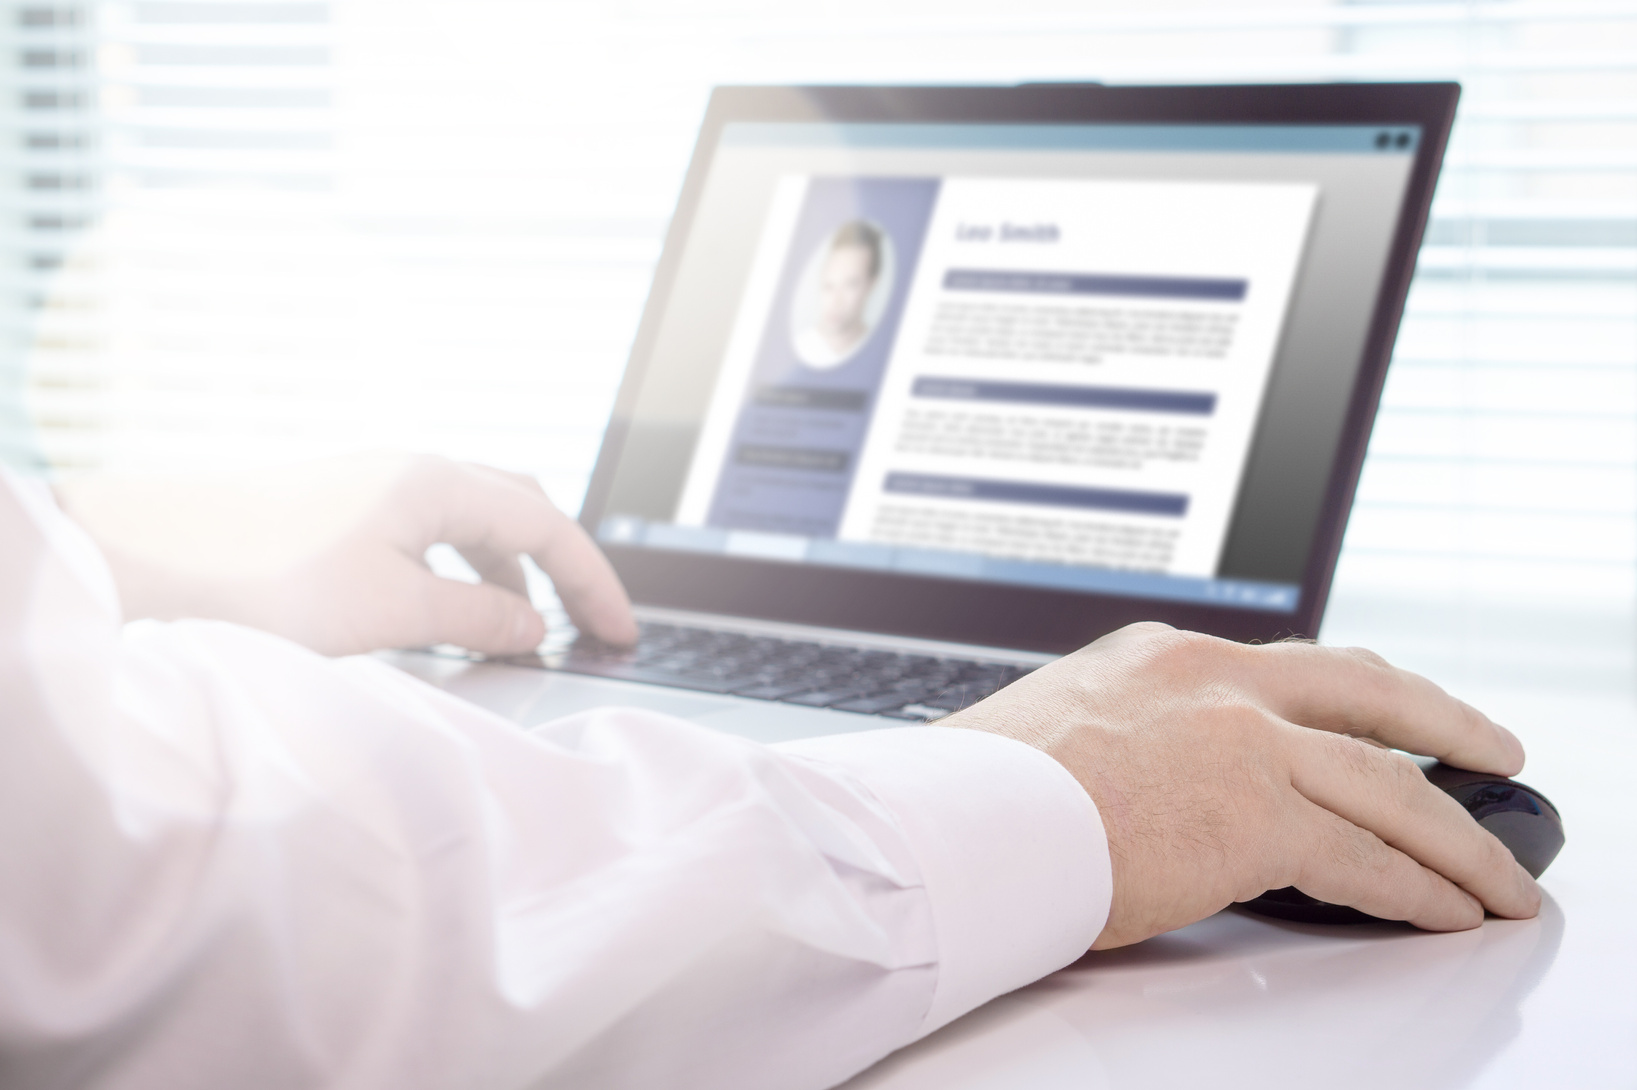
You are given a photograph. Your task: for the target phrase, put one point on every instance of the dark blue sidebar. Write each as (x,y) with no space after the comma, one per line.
(812,391)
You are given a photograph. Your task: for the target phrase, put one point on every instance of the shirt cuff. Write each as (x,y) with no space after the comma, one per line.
(1011,848)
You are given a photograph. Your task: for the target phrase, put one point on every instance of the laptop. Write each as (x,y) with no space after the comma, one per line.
(936,384)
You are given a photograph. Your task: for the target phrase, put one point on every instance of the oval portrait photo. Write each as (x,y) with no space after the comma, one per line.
(842,294)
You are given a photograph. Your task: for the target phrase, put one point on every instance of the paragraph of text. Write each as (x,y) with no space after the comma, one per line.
(1077,334)
(1053,539)
(1113,442)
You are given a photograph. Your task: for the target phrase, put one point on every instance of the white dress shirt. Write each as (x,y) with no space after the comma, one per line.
(227,862)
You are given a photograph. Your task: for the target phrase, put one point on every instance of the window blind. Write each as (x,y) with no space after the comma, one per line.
(248,231)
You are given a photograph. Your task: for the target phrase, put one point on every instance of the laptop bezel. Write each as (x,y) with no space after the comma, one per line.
(1031,618)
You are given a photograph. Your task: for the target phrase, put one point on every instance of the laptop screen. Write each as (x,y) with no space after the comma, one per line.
(1104,358)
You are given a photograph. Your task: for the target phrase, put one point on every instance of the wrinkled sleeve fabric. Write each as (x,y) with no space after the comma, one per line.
(225,861)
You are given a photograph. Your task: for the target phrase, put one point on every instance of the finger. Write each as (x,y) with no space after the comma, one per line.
(522,480)
(588,585)
(481,617)
(494,512)
(501,569)
(1386,794)
(1352,691)
(582,576)
(1346,865)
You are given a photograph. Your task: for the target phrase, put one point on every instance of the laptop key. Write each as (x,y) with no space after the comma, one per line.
(870,681)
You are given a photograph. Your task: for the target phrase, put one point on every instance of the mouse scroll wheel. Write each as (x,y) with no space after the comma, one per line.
(1499,798)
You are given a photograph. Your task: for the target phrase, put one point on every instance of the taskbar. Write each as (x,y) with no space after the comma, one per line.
(795,549)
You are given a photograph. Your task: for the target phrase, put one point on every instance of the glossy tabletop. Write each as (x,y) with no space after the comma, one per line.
(1241,1001)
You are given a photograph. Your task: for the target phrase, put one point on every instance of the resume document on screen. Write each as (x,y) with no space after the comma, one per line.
(1043,370)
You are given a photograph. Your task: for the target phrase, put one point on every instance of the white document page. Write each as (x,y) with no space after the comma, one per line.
(1079,371)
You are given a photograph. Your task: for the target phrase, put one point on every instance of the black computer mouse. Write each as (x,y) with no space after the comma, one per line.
(1520,817)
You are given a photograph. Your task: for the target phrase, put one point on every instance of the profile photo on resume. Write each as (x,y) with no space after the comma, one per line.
(842,294)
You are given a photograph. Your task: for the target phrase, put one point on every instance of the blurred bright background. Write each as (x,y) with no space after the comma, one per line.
(241,232)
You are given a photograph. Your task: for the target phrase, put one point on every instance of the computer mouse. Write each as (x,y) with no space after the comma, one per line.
(1520,817)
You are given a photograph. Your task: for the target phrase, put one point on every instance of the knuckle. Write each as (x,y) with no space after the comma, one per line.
(1144,641)
(1374,675)
(1353,852)
(1355,757)
(1141,628)
(1446,897)
(1186,655)
(1141,635)
(1366,657)
(1381,680)
(1341,851)
(1253,727)
(1405,781)
(422,462)
(1404,773)
(1431,892)
(1497,856)
(422,471)
(1187,650)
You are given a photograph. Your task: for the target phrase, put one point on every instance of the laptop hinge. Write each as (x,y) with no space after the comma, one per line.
(842,637)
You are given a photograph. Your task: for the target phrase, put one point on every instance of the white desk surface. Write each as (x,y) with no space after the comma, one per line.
(1240,1001)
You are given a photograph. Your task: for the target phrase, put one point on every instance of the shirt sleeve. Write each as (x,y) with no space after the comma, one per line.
(227,861)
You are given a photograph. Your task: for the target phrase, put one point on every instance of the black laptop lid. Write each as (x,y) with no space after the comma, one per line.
(1017,366)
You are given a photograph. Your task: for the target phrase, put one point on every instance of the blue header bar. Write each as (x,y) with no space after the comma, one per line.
(1060,283)
(1189,402)
(1171,505)
(1343,139)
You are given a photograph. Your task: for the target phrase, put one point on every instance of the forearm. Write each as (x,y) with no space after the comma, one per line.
(627,901)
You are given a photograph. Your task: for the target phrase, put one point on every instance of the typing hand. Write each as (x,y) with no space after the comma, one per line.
(331,553)
(1223,770)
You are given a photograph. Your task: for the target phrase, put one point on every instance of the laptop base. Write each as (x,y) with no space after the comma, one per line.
(531,696)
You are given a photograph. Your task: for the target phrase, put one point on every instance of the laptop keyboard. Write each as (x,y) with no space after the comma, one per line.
(816,675)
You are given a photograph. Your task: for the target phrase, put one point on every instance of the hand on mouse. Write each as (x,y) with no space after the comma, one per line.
(1223,770)
(332,553)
